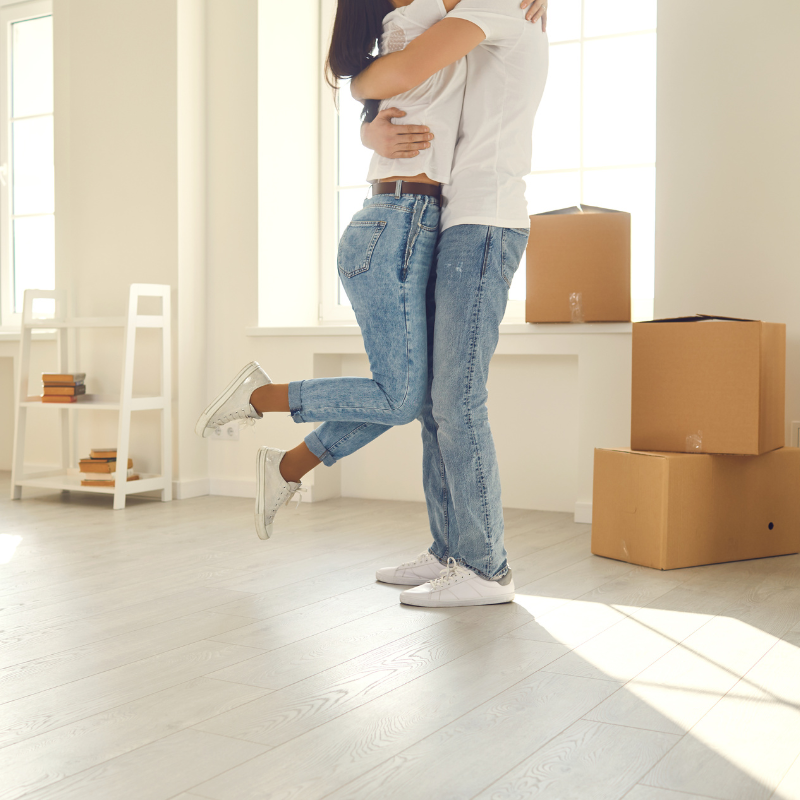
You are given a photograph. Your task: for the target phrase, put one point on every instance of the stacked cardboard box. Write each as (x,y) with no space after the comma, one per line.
(707,478)
(578,266)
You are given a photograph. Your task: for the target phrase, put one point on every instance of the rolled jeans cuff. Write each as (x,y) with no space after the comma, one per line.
(314,444)
(296,402)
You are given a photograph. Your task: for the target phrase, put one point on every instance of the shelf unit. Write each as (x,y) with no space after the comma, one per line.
(66,477)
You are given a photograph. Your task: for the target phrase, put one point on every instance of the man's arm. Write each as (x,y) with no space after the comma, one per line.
(441,45)
(394,141)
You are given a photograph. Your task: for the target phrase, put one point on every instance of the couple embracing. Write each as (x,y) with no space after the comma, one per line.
(427,264)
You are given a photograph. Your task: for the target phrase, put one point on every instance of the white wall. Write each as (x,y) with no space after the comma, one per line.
(727,199)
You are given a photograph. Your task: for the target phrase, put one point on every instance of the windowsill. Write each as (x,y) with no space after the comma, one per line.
(506,329)
(14,335)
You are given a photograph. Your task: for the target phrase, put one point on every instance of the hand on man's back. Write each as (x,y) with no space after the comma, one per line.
(394,141)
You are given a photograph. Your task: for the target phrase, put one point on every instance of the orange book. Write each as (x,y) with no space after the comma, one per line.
(64,391)
(107,452)
(56,398)
(90,465)
(107,483)
(54,377)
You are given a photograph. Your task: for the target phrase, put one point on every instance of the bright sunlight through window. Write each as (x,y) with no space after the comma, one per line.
(594,140)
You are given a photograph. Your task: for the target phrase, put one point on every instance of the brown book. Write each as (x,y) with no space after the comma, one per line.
(64,391)
(90,465)
(55,377)
(55,398)
(107,483)
(68,384)
(107,453)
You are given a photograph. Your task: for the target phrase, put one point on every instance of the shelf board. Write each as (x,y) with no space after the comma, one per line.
(70,481)
(98,402)
(76,322)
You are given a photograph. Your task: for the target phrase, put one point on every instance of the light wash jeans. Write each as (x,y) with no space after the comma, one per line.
(385,259)
(466,298)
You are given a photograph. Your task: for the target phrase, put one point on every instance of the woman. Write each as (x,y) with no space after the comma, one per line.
(384,260)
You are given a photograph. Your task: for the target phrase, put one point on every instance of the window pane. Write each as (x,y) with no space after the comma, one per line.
(632,190)
(34,256)
(32,67)
(619,123)
(33,166)
(564,21)
(557,128)
(603,17)
(353,156)
(551,191)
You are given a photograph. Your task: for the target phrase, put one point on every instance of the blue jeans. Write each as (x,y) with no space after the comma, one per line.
(466,299)
(385,259)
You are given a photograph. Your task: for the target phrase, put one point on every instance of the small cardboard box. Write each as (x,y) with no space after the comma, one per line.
(579,266)
(708,384)
(671,510)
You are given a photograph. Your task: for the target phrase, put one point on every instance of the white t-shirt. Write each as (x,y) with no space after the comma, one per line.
(506,75)
(436,102)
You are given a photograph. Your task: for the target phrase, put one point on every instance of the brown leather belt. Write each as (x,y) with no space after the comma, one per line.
(398,188)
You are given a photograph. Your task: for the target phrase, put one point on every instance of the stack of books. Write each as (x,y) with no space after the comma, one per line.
(63,388)
(100,469)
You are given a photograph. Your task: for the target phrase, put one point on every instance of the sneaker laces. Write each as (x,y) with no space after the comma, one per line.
(416,561)
(449,574)
(295,493)
(241,416)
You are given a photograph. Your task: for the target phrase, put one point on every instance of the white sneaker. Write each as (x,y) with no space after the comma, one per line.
(234,403)
(272,491)
(423,568)
(460,586)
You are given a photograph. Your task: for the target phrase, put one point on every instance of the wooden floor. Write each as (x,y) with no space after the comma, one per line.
(165,651)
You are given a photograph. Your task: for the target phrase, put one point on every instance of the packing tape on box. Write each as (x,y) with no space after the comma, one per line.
(694,442)
(576,307)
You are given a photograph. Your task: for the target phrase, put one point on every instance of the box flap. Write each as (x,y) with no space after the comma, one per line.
(581,209)
(698,318)
(652,453)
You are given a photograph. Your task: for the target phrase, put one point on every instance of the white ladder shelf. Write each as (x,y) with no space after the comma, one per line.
(67,477)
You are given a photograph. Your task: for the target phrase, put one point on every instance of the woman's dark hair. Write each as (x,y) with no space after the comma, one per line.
(357,30)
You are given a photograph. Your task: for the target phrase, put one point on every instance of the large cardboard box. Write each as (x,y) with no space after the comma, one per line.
(670,510)
(708,384)
(579,266)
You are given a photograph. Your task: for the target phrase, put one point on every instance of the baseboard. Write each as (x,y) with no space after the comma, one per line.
(583,512)
(185,490)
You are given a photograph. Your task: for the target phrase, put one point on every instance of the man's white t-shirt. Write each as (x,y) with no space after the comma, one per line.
(436,102)
(506,75)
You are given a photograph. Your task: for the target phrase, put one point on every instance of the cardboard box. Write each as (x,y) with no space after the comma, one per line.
(579,266)
(708,384)
(670,510)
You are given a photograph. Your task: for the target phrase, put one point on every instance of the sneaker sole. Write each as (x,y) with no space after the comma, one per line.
(201,428)
(404,581)
(480,601)
(263,531)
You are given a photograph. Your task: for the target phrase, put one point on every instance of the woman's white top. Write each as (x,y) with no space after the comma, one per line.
(505,83)
(436,102)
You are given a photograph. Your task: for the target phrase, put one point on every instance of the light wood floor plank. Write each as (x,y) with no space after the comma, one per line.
(156,771)
(35,763)
(589,759)
(62,705)
(469,754)
(330,756)
(66,666)
(292,711)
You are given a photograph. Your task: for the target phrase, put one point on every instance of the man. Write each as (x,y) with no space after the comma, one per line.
(483,234)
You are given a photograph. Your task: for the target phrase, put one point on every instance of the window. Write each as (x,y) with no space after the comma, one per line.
(593,140)
(27,197)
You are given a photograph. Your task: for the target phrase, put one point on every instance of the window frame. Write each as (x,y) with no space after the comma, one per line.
(11,11)
(330,310)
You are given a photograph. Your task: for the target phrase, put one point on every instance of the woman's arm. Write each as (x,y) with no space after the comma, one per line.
(441,45)
(538,8)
